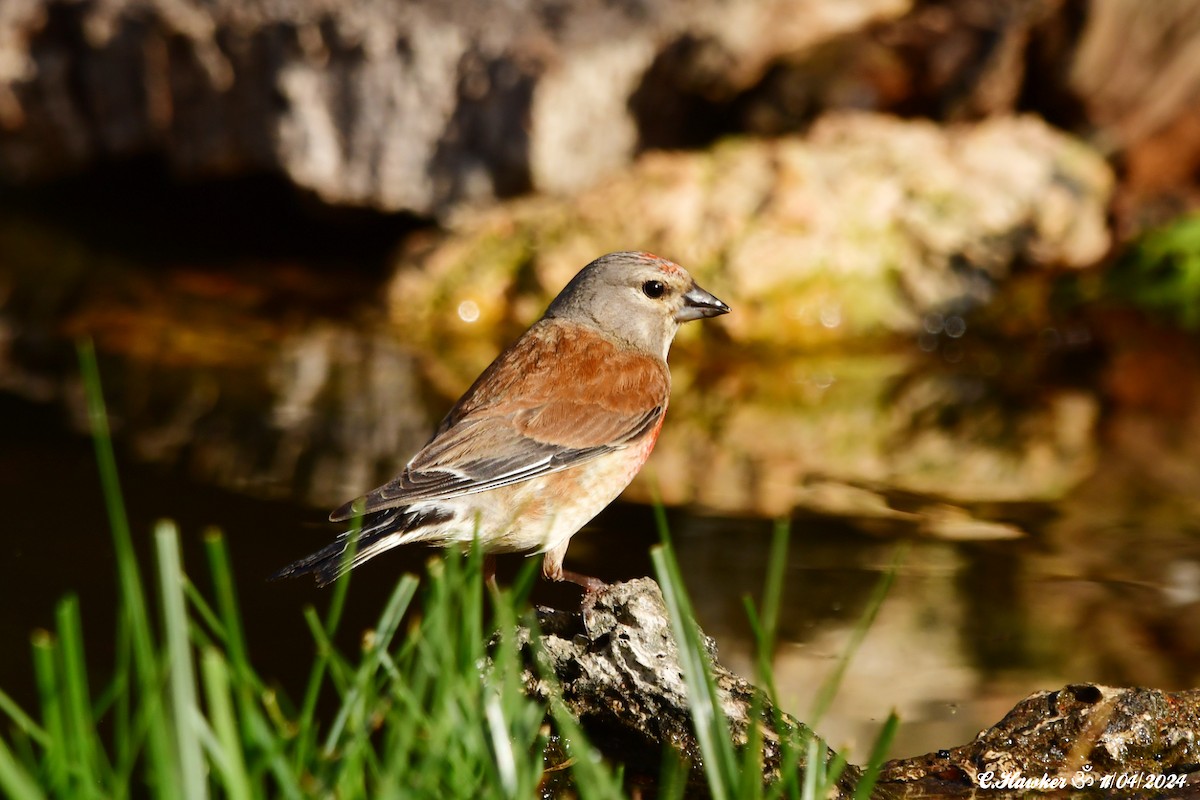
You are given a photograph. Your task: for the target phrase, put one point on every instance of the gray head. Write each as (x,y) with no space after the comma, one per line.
(637,298)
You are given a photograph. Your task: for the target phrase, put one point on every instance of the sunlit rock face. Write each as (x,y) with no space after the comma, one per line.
(861,230)
(420,107)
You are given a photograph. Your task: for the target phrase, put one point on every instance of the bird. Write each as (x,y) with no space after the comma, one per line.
(547,436)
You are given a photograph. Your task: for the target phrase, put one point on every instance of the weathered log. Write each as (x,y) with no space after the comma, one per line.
(618,671)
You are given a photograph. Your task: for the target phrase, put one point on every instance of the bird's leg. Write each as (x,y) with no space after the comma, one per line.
(489,571)
(589,584)
(552,570)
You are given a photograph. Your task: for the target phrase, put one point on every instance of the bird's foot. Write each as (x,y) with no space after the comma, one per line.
(590,585)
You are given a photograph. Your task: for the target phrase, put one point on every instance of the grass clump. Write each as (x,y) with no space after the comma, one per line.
(435,712)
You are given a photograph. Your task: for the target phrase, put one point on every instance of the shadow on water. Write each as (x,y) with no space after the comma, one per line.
(1050,494)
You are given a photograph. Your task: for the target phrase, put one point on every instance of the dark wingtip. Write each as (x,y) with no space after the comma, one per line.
(326,565)
(331,562)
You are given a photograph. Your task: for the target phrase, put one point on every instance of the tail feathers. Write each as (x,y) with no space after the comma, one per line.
(381,530)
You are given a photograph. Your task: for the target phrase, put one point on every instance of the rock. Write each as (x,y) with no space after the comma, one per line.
(858,231)
(1077,735)
(617,668)
(417,107)
(1120,73)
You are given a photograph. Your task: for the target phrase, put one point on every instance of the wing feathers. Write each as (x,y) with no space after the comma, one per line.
(552,401)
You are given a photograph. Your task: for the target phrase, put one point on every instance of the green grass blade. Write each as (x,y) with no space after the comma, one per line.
(833,770)
(81,740)
(112,695)
(814,771)
(471,599)
(592,779)
(210,622)
(25,723)
(133,602)
(123,753)
(234,638)
(829,688)
(106,461)
(883,742)
(217,693)
(766,632)
(337,602)
(45,659)
(711,725)
(764,623)
(389,622)
(751,766)
(15,782)
(337,667)
(502,746)
(181,677)
(522,718)
(316,677)
(245,682)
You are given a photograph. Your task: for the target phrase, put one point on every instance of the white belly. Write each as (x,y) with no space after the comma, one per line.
(539,514)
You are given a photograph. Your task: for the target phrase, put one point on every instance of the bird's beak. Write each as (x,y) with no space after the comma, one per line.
(698,304)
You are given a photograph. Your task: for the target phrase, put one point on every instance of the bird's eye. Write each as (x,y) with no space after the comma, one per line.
(653,289)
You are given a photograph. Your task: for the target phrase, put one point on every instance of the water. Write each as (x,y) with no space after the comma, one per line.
(968,628)
(1045,495)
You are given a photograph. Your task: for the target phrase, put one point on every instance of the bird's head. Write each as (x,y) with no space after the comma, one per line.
(637,298)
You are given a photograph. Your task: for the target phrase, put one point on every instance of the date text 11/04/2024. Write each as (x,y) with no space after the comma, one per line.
(1082,779)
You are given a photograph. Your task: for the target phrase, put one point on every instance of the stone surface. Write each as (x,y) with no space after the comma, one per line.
(416,107)
(862,229)
(1076,736)
(618,669)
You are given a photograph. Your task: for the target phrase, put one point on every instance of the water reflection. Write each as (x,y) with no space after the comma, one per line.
(1056,519)
(914,658)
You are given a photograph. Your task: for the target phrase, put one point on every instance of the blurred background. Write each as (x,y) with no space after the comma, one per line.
(959,238)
